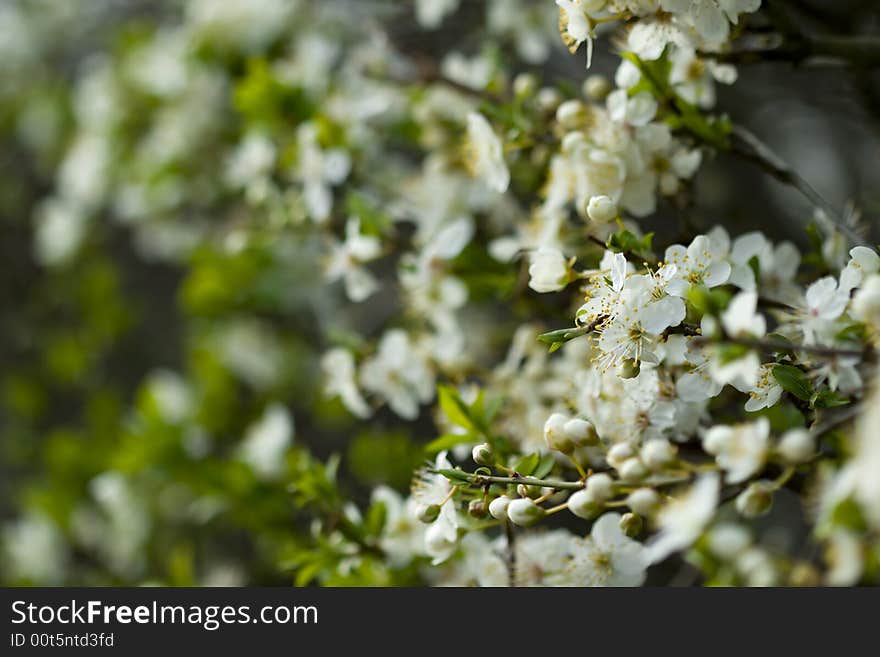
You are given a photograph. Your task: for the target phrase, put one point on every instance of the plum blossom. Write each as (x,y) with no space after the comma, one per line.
(683,520)
(486,154)
(740,450)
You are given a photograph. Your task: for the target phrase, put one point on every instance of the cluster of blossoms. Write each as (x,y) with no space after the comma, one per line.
(690,387)
(659,348)
(629,408)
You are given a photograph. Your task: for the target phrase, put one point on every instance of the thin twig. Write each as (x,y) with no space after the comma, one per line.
(482,480)
(746,145)
(510,560)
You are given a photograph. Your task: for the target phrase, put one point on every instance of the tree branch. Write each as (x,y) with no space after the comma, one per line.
(510,560)
(746,145)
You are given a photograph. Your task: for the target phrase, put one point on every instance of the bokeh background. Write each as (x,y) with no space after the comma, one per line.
(159,340)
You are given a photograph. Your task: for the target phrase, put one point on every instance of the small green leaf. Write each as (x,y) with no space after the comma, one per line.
(454,474)
(827,399)
(448,441)
(455,409)
(793,381)
(626,242)
(545,466)
(528,464)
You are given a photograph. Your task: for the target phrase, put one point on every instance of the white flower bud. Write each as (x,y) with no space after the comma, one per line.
(618,454)
(428,513)
(596,87)
(757,566)
(548,271)
(477,508)
(644,501)
(530,491)
(797,446)
(482,454)
(570,114)
(632,469)
(524,512)
(728,540)
(549,98)
(602,209)
(498,507)
(584,505)
(600,486)
(657,453)
(580,432)
(631,524)
(755,500)
(524,85)
(554,433)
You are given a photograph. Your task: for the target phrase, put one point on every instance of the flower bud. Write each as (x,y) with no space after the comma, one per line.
(477,508)
(600,486)
(526,490)
(482,454)
(755,500)
(797,446)
(555,435)
(524,512)
(602,209)
(629,368)
(570,114)
(618,454)
(498,507)
(549,270)
(582,504)
(644,501)
(596,87)
(549,99)
(580,432)
(657,453)
(428,513)
(632,469)
(525,85)
(631,524)
(804,574)
(728,540)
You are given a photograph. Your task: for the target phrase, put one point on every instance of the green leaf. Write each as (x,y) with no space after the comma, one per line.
(857,332)
(455,474)
(848,514)
(559,337)
(528,464)
(455,409)
(794,381)
(626,242)
(545,466)
(448,441)
(827,399)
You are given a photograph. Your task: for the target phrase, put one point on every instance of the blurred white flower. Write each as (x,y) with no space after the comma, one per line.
(486,154)
(267,441)
(740,450)
(548,271)
(683,520)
